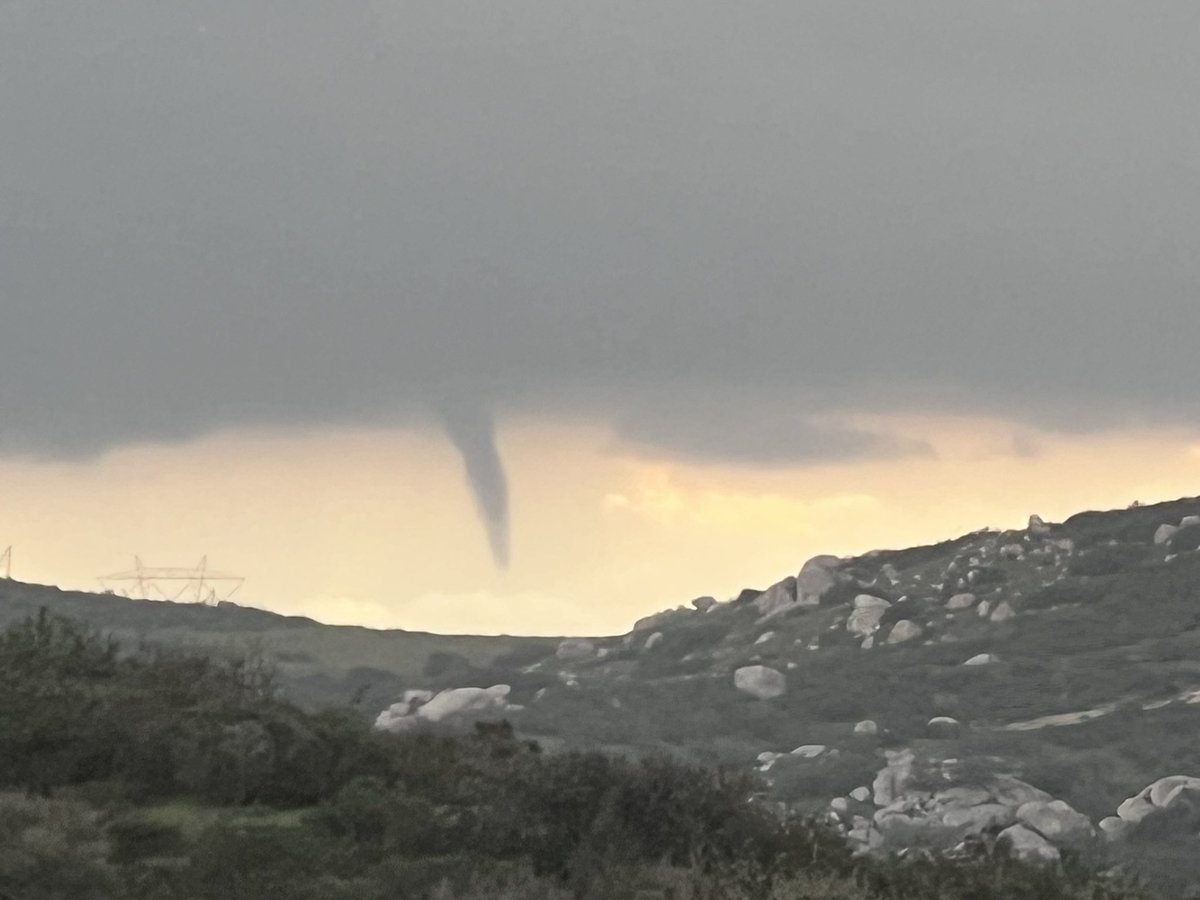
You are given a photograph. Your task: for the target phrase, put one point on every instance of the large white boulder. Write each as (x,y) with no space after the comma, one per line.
(1135,809)
(816,578)
(762,682)
(904,630)
(457,701)
(1163,791)
(1056,821)
(1027,845)
(1164,533)
(866,728)
(452,702)
(864,620)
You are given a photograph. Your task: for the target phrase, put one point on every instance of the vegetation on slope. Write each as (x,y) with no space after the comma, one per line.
(167,774)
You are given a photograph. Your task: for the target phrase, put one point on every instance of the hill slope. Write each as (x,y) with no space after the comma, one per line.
(1087,661)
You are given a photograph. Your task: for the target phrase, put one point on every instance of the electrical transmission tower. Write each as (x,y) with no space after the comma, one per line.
(197,585)
(6,563)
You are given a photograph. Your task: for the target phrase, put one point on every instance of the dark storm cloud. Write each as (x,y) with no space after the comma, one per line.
(259,212)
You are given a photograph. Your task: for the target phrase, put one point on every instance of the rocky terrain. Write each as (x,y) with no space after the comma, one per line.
(1038,686)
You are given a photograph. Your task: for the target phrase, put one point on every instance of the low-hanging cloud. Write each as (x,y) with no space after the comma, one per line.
(224,213)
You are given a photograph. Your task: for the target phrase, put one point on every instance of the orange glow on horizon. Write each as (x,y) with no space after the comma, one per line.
(376,526)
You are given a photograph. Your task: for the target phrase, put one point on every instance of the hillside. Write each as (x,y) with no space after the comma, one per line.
(317,664)
(1065,655)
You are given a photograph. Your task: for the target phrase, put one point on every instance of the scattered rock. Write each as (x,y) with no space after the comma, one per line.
(1012,551)
(861,794)
(982,659)
(1003,612)
(1189,521)
(576,649)
(654,640)
(809,751)
(1037,527)
(1113,827)
(760,681)
(868,610)
(943,727)
(904,630)
(1028,846)
(868,642)
(1164,533)
(961,601)
(894,779)
(764,637)
(984,608)
(1056,821)
(866,727)
(704,604)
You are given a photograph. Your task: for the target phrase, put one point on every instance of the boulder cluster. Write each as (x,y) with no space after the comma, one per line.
(425,706)
(925,803)
(1170,805)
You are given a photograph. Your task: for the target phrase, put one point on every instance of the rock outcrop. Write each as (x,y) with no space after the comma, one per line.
(444,705)
(910,812)
(816,578)
(778,598)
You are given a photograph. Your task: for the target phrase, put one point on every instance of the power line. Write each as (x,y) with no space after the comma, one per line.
(198,584)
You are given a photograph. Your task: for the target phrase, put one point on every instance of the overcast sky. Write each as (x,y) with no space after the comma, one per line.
(722,231)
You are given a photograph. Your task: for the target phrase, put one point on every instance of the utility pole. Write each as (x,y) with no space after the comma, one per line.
(6,562)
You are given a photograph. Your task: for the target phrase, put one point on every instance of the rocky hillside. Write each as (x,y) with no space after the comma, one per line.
(1039,683)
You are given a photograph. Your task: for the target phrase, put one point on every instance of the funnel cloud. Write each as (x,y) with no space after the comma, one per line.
(470,426)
